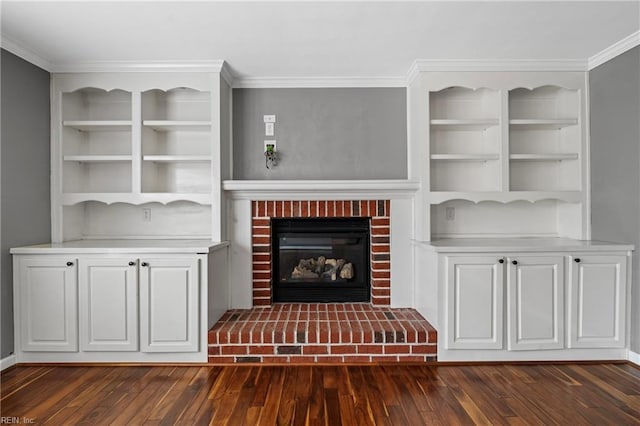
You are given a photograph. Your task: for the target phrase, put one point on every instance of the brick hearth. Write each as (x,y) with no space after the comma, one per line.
(322,333)
(379,212)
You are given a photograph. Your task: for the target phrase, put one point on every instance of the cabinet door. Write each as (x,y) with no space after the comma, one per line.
(474,302)
(108,292)
(169,311)
(535,297)
(48,318)
(597,301)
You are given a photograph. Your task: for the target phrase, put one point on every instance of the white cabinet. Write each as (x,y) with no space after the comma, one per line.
(535,302)
(118,300)
(47,301)
(474,288)
(597,301)
(526,299)
(108,303)
(169,308)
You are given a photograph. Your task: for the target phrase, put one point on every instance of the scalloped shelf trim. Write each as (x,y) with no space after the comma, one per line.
(439,197)
(70,199)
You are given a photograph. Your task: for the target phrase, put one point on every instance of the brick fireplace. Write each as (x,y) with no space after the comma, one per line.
(377,210)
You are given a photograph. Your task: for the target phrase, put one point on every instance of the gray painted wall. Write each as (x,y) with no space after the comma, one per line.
(335,133)
(615,162)
(24,171)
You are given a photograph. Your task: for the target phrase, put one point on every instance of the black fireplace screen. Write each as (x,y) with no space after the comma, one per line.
(321,260)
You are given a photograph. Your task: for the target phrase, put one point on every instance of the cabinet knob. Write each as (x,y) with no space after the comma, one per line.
(515,262)
(132,263)
(577,260)
(144,264)
(69,263)
(500,260)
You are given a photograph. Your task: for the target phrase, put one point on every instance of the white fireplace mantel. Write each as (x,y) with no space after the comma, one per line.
(320,189)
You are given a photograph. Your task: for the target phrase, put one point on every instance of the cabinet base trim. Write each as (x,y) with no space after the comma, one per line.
(112,357)
(634,357)
(7,362)
(542,355)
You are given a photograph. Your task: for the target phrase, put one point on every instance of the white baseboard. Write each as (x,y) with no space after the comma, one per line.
(7,362)
(634,357)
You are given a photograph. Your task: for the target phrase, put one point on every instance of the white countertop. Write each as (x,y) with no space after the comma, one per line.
(470,245)
(122,246)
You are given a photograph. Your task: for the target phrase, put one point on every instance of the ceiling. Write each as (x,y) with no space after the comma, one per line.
(314,39)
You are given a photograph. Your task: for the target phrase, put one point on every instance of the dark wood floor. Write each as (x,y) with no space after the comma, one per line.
(327,395)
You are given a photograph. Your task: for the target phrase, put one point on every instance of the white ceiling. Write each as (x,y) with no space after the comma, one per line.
(306,39)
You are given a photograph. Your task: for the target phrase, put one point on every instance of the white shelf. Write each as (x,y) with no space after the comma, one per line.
(320,189)
(98,125)
(98,158)
(542,124)
(70,199)
(438,197)
(177,158)
(543,157)
(464,124)
(178,125)
(465,157)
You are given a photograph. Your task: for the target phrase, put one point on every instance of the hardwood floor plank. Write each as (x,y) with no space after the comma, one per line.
(360,399)
(263,380)
(303,395)
(316,411)
(332,403)
(245,397)
(324,395)
(269,410)
(200,385)
(375,396)
(407,389)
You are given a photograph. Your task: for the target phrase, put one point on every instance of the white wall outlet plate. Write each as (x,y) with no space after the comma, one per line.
(270,144)
(269,118)
(269,129)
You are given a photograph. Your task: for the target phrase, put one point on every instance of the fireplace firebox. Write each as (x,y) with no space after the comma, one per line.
(321,259)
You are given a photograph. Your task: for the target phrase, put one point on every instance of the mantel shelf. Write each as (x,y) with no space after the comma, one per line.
(438,197)
(98,125)
(320,189)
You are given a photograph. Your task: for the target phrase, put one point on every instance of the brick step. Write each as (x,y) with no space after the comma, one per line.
(322,333)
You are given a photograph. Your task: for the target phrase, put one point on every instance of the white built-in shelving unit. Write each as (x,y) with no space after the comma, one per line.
(504,265)
(499,154)
(139,155)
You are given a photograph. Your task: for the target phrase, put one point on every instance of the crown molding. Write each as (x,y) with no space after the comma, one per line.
(422,65)
(24,53)
(226,74)
(312,82)
(614,50)
(134,66)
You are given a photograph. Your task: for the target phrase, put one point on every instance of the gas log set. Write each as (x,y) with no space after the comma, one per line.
(324,269)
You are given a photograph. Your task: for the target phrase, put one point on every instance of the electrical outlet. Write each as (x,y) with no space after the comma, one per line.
(450,213)
(269,118)
(269,129)
(146,215)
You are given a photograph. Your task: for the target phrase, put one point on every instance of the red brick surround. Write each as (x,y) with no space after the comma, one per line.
(378,210)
